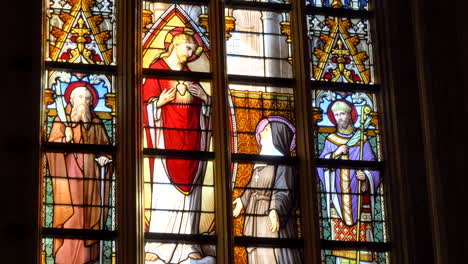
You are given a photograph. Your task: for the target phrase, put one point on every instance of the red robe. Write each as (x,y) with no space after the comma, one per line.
(181,126)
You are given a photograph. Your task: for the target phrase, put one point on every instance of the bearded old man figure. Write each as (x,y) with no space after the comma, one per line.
(76,177)
(177,117)
(341,185)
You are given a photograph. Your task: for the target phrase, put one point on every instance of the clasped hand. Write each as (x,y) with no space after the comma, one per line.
(102,161)
(197,91)
(341,150)
(168,96)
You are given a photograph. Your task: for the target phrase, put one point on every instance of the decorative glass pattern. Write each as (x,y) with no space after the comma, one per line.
(351,200)
(347,4)
(81,31)
(347,256)
(268,1)
(250,104)
(99,251)
(347,133)
(258,43)
(264,179)
(241,255)
(162,27)
(340,49)
(349,119)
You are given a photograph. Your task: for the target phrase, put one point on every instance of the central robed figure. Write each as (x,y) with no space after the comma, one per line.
(177,117)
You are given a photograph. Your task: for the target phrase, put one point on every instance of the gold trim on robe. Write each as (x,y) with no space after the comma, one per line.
(339,140)
(351,254)
(345,183)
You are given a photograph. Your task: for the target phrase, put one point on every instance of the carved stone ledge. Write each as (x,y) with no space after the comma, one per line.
(111,102)
(49,97)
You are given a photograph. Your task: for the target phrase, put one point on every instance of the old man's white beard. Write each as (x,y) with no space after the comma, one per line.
(81,113)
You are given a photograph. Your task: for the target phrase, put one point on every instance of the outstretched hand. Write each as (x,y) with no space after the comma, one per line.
(151,257)
(237,204)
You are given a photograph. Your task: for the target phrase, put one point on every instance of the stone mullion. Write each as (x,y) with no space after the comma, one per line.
(221,142)
(130,244)
(305,142)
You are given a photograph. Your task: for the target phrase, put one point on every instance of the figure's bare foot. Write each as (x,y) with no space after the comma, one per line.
(151,257)
(195,255)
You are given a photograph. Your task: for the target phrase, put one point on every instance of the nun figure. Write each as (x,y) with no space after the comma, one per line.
(269,200)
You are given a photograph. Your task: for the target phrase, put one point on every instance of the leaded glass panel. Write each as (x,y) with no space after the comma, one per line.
(80,108)
(81,32)
(183,123)
(268,1)
(340,49)
(251,104)
(87,251)
(175,32)
(351,200)
(346,4)
(257,44)
(179,195)
(346,118)
(79,132)
(263,193)
(350,257)
(347,133)
(177,116)
(241,254)
(79,191)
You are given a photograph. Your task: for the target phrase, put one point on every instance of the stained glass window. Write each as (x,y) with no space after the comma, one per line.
(256,84)
(264,177)
(78,133)
(256,45)
(341,49)
(347,135)
(81,32)
(177,113)
(363,109)
(347,4)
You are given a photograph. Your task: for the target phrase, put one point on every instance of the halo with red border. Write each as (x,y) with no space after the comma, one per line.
(87,85)
(354,114)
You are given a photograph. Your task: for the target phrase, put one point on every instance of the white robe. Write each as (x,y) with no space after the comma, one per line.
(173,211)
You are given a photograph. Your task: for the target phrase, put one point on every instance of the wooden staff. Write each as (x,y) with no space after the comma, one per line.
(365,110)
